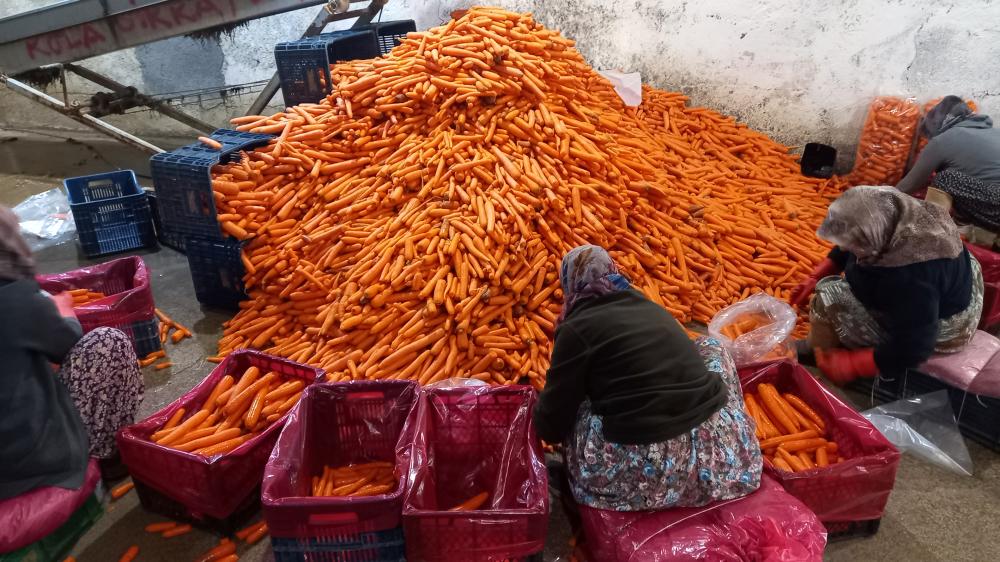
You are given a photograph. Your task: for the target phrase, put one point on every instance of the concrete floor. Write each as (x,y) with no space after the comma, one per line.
(933,515)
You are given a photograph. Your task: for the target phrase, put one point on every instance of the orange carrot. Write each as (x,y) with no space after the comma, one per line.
(129,554)
(118,491)
(472,503)
(176,531)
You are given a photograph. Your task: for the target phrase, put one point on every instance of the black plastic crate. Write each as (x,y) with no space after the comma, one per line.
(145,337)
(391,33)
(168,239)
(216,270)
(376,546)
(183,182)
(304,65)
(155,502)
(843,530)
(111,213)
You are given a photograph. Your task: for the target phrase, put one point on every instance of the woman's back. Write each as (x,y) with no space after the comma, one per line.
(973,150)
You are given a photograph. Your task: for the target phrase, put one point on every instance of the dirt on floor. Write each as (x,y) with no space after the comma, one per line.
(933,514)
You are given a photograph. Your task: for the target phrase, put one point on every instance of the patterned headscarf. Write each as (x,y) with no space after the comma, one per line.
(587,272)
(951,111)
(884,227)
(16,262)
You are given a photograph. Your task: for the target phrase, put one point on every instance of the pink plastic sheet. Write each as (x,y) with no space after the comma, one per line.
(768,525)
(976,368)
(855,489)
(217,486)
(468,441)
(337,425)
(125,281)
(31,517)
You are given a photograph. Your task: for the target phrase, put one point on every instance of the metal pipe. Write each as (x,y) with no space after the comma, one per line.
(364,16)
(157,105)
(88,120)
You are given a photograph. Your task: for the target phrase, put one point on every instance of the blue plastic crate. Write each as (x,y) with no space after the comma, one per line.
(183,182)
(304,65)
(216,270)
(111,213)
(377,546)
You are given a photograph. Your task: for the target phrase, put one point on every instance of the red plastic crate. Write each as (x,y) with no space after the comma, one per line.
(208,487)
(990,262)
(855,489)
(336,425)
(129,303)
(467,441)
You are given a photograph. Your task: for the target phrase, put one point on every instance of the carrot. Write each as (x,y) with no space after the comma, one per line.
(185,427)
(257,534)
(211,143)
(162,366)
(772,403)
(219,552)
(775,441)
(118,491)
(472,503)
(805,410)
(802,444)
(129,554)
(822,458)
(793,461)
(160,527)
(174,419)
(176,531)
(806,460)
(243,533)
(783,465)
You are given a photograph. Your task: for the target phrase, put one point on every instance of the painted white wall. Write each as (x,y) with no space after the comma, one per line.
(799,71)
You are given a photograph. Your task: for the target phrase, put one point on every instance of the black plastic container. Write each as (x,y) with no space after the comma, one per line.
(818,160)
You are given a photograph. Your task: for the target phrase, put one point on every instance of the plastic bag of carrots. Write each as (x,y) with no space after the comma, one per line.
(207,449)
(804,422)
(887,136)
(343,455)
(756,329)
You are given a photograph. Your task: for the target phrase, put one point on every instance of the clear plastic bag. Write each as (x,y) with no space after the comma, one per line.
(924,426)
(628,85)
(457,382)
(886,139)
(46,219)
(770,339)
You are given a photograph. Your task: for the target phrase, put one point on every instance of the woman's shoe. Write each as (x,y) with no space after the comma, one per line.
(112,469)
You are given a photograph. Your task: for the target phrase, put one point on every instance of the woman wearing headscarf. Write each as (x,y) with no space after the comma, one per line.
(649,419)
(910,288)
(964,150)
(53,421)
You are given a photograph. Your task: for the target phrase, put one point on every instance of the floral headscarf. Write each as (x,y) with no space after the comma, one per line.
(16,262)
(587,272)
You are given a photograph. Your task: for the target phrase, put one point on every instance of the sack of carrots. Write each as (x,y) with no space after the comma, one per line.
(820,449)
(888,134)
(207,449)
(756,330)
(478,482)
(341,462)
(410,225)
(113,294)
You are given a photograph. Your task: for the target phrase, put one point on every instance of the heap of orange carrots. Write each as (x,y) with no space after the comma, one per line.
(363,479)
(792,435)
(887,136)
(235,411)
(83,297)
(411,224)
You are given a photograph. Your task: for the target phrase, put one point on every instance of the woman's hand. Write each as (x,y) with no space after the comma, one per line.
(802,293)
(64,304)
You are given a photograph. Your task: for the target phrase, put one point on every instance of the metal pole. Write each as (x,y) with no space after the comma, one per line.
(157,105)
(88,120)
(324,17)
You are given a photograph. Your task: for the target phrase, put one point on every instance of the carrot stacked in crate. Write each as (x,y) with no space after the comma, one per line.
(365,479)
(411,224)
(886,139)
(235,411)
(792,435)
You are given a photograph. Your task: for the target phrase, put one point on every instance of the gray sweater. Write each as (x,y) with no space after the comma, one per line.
(971,147)
(42,439)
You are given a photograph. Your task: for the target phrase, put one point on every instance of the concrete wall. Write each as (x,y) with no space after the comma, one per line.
(800,71)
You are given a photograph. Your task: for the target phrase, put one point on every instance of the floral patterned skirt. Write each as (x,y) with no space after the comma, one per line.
(718,460)
(103,378)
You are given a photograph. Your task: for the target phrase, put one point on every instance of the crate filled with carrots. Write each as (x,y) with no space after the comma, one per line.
(478,486)
(336,478)
(820,449)
(112,294)
(206,451)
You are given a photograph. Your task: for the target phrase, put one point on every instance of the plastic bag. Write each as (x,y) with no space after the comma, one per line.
(628,85)
(336,425)
(886,139)
(468,441)
(34,515)
(457,382)
(858,487)
(768,525)
(46,219)
(125,281)
(217,486)
(768,341)
(925,426)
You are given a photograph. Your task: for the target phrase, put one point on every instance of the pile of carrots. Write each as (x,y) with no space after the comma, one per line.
(411,224)
(364,479)
(792,435)
(234,412)
(83,297)
(887,136)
